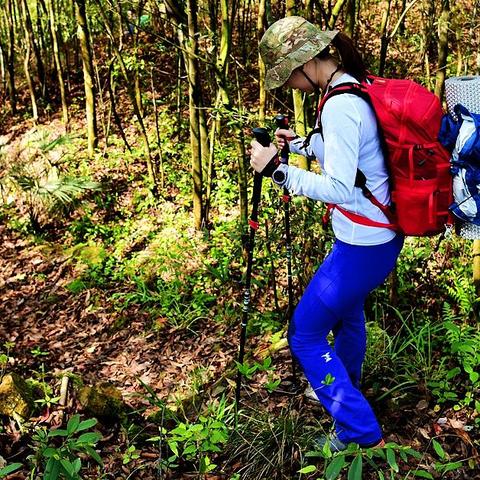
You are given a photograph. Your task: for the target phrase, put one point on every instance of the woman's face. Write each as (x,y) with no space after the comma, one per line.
(298,79)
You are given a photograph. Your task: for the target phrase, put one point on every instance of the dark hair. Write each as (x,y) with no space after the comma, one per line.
(351,58)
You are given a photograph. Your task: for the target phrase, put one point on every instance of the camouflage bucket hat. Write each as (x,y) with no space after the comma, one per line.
(288,44)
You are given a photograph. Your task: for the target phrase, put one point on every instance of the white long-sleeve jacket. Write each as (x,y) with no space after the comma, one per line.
(350,141)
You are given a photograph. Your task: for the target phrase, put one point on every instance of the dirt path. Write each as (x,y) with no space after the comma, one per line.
(82,334)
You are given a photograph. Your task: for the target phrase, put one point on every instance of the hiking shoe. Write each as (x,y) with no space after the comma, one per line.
(336,445)
(310,394)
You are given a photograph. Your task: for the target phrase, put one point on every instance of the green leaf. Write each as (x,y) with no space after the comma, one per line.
(414,453)
(73,424)
(94,454)
(52,469)
(77,465)
(89,437)
(67,465)
(335,467)
(86,424)
(308,469)
(328,380)
(392,461)
(466,348)
(423,474)
(190,449)
(453,373)
(173,447)
(474,376)
(438,449)
(355,470)
(449,467)
(49,452)
(9,469)
(58,433)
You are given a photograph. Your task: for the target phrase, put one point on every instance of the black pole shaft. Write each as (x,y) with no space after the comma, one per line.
(263,138)
(282,122)
(257,188)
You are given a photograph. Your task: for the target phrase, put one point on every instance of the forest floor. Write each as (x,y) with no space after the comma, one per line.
(53,330)
(80,333)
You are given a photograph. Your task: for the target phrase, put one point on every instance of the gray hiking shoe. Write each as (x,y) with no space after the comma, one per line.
(335,444)
(310,394)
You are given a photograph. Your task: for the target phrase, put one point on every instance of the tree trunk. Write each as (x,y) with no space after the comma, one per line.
(2,69)
(36,50)
(222,96)
(120,25)
(350,18)
(429,17)
(443,23)
(26,61)
(476,266)
(298,100)
(460,52)
(84,39)
(335,13)
(116,117)
(242,160)
(136,72)
(194,103)
(157,131)
(384,40)
(58,63)
(11,56)
(152,174)
(44,38)
(262,103)
(179,91)
(402,23)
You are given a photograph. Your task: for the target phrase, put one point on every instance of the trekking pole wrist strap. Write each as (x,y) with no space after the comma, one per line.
(271,166)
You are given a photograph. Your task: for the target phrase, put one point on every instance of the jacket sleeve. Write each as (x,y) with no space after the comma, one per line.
(341,123)
(314,149)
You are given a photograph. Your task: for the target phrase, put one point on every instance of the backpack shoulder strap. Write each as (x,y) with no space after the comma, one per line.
(350,87)
(359,90)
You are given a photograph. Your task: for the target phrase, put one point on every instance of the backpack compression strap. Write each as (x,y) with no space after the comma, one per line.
(361,182)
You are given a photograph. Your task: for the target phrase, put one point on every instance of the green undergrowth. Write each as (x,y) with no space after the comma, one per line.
(142,252)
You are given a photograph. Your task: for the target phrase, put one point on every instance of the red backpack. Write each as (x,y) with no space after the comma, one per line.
(408,118)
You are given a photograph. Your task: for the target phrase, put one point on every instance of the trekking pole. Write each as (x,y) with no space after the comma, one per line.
(262,136)
(282,122)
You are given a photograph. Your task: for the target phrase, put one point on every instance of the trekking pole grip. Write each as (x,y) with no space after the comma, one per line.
(262,136)
(282,122)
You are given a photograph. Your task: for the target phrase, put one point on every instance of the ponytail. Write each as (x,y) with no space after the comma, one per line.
(350,57)
(352,61)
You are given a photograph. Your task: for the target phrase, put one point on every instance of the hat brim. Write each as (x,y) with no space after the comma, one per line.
(278,75)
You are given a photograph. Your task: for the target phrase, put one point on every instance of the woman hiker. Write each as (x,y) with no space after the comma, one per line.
(297,55)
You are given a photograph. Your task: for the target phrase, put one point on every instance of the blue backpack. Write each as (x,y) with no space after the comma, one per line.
(461,136)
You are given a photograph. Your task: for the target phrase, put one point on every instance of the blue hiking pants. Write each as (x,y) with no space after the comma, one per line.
(334,301)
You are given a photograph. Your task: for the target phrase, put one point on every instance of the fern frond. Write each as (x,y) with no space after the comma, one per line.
(65,189)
